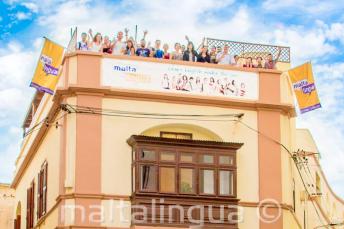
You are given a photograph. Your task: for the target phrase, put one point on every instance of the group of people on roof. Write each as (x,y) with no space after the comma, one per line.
(127,46)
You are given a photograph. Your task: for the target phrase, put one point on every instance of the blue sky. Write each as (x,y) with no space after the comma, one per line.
(313,29)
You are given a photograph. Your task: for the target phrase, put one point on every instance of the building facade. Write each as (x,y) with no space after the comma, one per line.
(131,142)
(6,206)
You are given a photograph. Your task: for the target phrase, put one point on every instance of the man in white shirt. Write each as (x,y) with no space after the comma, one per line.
(224,57)
(118,46)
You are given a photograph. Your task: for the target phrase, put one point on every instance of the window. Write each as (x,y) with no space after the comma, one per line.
(207,181)
(207,159)
(167,179)
(187,181)
(168,167)
(175,135)
(147,155)
(30,205)
(226,182)
(167,156)
(148,177)
(42,191)
(186,157)
(225,160)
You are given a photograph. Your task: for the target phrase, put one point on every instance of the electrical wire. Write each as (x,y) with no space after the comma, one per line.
(32,130)
(294,159)
(143,115)
(111,111)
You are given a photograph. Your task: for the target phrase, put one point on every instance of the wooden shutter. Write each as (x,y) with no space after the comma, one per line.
(32,206)
(28,204)
(44,188)
(17,222)
(39,184)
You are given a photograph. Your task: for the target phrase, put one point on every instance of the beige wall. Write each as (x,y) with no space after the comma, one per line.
(7,199)
(49,151)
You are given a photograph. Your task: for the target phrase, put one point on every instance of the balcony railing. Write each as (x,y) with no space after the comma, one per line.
(244,49)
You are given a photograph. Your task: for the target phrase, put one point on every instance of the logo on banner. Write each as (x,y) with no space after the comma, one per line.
(124,68)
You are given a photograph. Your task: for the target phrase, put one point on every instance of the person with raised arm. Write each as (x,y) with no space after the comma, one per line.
(118,45)
(96,44)
(143,50)
(224,57)
(190,54)
(270,63)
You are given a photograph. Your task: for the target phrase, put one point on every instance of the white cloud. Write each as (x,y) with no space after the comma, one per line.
(336,32)
(306,44)
(22,16)
(17,67)
(301,7)
(8,153)
(33,7)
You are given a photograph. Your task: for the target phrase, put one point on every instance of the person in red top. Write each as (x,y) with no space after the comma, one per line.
(107,47)
(166,53)
(270,63)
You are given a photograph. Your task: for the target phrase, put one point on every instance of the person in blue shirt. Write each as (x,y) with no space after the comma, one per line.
(157,52)
(142,50)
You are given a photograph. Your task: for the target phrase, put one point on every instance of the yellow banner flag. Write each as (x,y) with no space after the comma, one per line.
(47,71)
(304,87)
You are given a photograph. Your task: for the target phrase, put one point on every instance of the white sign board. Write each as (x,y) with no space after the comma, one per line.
(180,79)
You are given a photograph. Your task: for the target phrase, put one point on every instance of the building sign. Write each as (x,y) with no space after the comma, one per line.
(180,79)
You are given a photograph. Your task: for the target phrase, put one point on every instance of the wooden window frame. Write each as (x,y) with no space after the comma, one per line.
(188,135)
(139,188)
(194,180)
(215,181)
(42,187)
(234,181)
(180,146)
(175,178)
(30,205)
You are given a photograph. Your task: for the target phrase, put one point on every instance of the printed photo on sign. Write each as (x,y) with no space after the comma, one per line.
(203,85)
(181,79)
